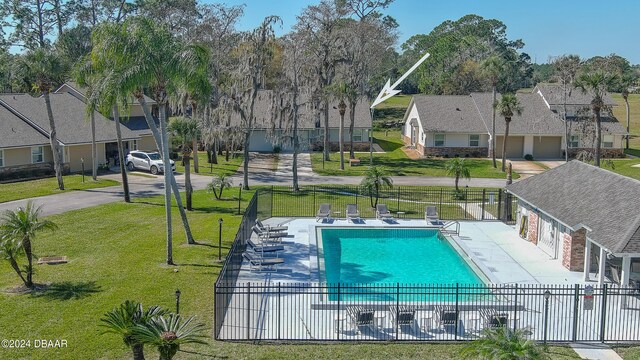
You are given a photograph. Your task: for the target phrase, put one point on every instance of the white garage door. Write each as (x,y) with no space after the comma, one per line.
(547,147)
(515,146)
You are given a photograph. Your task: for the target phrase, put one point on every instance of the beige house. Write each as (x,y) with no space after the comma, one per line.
(25,149)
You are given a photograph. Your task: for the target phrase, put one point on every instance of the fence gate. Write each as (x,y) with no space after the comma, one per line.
(548,239)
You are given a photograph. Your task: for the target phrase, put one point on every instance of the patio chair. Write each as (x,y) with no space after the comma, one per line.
(494,319)
(267,235)
(324,212)
(269,228)
(382,212)
(445,316)
(263,248)
(260,263)
(431,215)
(403,315)
(360,316)
(352,212)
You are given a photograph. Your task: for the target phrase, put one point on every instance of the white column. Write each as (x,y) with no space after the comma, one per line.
(601,266)
(587,259)
(626,270)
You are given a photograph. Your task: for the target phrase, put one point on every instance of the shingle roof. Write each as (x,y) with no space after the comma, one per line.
(581,194)
(536,118)
(609,125)
(449,113)
(15,132)
(138,125)
(82,91)
(264,109)
(69,114)
(554,95)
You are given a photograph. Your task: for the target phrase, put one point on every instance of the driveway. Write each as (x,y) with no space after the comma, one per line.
(526,168)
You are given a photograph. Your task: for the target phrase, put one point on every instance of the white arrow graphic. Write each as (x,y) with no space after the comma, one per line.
(390,90)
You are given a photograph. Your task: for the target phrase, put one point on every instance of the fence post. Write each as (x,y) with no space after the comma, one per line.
(215,310)
(483,194)
(279,311)
(248,311)
(339,321)
(576,302)
(499,204)
(440,204)
(398,198)
(356,192)
(271,201)
(603,312)
(397,307)
(515,307)
(466,196)
(456,325)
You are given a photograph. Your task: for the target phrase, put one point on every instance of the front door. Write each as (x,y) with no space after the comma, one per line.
(414,135)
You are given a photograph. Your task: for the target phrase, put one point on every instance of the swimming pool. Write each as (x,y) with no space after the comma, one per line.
(391,256)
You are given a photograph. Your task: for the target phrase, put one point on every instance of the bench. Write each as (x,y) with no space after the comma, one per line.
(354,162)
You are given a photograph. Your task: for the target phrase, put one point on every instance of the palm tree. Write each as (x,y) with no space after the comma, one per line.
(458,168)
(507,106)
(505,344)
(492,67)
(43,70)
(10,252)
(374,179)
(167,333)
(341,91)
(218,184)
(21,227)
(185,130)
(625,96)
(133,48)
(82,73)
(596,83)
(123,320)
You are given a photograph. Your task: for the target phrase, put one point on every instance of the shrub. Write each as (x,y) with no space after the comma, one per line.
(528,157)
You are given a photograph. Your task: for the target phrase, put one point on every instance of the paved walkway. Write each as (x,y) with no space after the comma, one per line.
(595,351)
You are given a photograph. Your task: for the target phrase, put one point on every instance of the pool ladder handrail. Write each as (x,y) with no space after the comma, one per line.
(449,223)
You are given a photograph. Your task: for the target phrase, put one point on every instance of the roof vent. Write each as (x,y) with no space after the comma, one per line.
(457,109)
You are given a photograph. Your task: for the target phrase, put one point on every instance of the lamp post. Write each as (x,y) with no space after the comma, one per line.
(220,239)
(239,197)
(342,108)
(547,296)
(371,139)
(177,301)
(82,162)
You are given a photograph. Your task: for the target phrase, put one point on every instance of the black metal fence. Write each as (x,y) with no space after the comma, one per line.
(369,312)
(403,201)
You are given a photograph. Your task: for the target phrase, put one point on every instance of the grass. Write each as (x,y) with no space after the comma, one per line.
(396,163)
(541,165)
(222,167)
(398,101)
(621,114)
(49,186)
(627,352)
(116,252)
(625,167)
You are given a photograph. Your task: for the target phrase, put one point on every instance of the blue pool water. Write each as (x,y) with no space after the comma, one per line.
(392,256)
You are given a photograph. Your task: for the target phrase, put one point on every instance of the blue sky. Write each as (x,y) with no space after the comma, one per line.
(548,27)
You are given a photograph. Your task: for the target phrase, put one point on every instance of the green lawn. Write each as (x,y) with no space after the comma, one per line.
(621,114)
(398,101)
(624,167)
(49,186)
(396,162)
(227,168)
(116,252)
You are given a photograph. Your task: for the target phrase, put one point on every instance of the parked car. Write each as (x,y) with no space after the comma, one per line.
(150,161)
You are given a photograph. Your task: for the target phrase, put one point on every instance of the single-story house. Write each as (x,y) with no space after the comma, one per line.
(24,135)
(268,134)
(132,118)
(460,125)
(581,215)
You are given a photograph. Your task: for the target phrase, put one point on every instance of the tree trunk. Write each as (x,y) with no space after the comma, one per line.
(187,179)
(598,137)
(457,181)
(247,139)
(626,104)
(138,351)
(168,174)
(53,140)
(174,185)
(16,267)
(377,195)
(194,147)
(567,136)
(325,149)
(123,170)
(492,143)
(296,142)
(214,153)
(341,141)
(26,245)
(507,121)
(352,121)
(94,148)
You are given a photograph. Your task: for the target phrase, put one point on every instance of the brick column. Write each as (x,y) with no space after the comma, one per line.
(573,246)
(532,232)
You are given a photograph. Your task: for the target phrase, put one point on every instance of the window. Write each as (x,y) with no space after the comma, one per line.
(357,135)
(37,154)
(574,141)
(474,140)
(135,144)
(607,141)
(438,140)
(1,158)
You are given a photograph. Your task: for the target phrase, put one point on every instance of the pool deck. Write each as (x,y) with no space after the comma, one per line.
(493,246)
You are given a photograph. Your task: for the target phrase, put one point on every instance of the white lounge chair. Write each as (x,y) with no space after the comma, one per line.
(324,212)
(352,212)
(264,248)
(267,235)
(269,228)
(260,263)
(382,212)
(431,215)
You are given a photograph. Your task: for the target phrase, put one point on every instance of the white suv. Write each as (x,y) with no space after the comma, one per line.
(151,161)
